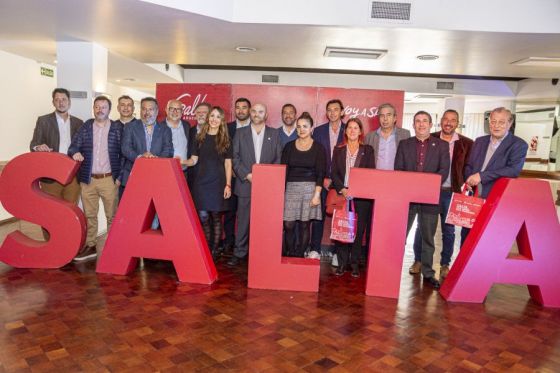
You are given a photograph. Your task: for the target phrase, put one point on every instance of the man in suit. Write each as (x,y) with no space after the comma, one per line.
(288,129)
(424,153)
(97,145)
(242,119)
(386,138)
(459,150)
(179,131)
(500,154)
(145,138)
(255,144)
(201,115)
(53,133)
(329,135)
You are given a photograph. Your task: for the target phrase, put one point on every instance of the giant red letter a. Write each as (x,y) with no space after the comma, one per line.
(158,185)
(519,208)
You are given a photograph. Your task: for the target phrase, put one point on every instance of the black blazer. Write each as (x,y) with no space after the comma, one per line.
(364,159)
(437,161)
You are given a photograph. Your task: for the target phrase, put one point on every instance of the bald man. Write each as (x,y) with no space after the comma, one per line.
(254,144)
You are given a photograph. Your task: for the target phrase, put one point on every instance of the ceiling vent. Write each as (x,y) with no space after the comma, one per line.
(372,54)
(445,85)
(387,11)
(270,78)
(431,96)
(538,61)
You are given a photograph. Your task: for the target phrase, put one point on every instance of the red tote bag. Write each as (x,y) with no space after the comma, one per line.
(464,209)
(344,224)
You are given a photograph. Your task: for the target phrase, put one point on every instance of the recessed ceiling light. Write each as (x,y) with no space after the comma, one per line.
(245,49)
(373,54)
(128,79)
(427,57)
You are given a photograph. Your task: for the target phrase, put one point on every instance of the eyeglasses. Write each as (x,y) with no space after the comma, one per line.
(501,123)
(175,109)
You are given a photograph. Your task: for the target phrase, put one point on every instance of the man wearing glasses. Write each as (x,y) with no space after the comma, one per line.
(500,154)
(179,131)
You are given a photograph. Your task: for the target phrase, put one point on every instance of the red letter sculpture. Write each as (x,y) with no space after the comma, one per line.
(22,197)
(393,191)
(515,208)
(267,268)
(158,185)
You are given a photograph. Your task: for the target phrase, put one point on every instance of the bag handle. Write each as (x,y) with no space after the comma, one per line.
(349,204)
(466,192)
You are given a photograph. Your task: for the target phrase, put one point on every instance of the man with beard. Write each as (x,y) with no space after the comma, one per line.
(97,145)
(288,130)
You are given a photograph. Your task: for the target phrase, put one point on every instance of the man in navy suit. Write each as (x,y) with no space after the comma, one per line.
(145,138)
(500,154)
(424,153)
(329,135)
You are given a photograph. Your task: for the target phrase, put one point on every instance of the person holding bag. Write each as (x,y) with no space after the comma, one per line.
(306,164)
(352,153)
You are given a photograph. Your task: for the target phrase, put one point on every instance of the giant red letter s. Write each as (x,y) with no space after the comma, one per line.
(22,197)
(158,185)
(393,191)
(515,208)
(267,268)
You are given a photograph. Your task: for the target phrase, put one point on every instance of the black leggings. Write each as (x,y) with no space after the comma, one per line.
(293,249)
(212,226)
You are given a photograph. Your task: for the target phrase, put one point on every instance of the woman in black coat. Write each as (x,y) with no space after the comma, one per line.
(352,153)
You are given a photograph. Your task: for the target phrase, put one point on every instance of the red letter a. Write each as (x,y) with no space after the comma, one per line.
(267,268)
(393,191)
(515,208)
(158,185)
(21,196)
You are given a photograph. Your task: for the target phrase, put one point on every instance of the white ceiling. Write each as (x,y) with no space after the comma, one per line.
(143,32)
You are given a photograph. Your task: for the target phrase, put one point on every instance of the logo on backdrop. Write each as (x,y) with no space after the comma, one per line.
(190,104)
(352,112)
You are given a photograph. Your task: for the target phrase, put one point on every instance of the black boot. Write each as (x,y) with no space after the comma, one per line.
(355,271)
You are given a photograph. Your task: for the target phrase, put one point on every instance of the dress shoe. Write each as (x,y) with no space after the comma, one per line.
(233,261)
(355,271)
(443,271)
(86,253)
(339,271)
(415,268)
(433,282)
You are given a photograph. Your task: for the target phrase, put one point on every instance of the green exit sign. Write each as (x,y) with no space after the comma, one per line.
(45,71)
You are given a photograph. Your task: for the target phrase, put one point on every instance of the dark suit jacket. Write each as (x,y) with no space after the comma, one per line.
(83,143)
(46,131)
(507,161)
(437,161)
(461,152)
(321,135)
(134,144)
(364,159)
(244,155)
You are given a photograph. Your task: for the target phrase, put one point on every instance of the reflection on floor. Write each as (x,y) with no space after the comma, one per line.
(73,319)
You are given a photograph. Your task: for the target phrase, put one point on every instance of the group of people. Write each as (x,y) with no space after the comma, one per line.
(217,160)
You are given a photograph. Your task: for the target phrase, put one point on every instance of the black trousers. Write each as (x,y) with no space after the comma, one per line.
(350,253)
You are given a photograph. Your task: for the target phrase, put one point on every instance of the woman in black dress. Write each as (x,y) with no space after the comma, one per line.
(306,163)
(352,153)
(212,186)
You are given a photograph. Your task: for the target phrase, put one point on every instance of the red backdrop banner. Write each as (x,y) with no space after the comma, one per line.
(361,103)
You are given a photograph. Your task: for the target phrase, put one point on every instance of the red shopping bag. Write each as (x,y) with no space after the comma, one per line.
(344,224)
(464,209)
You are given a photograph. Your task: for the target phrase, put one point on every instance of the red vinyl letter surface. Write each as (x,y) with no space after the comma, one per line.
(158,185)
(267,268)
(520,209)
(22,197)
(393,191)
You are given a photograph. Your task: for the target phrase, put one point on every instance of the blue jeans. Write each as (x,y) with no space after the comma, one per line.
(447,232)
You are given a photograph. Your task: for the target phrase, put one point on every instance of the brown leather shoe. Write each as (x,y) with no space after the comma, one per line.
(443,271)
(415,268)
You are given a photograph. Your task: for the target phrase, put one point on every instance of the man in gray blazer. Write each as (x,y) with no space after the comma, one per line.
(386,138)
(254,144)
(53,133)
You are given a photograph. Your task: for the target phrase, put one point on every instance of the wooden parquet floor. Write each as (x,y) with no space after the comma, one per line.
(73,319)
